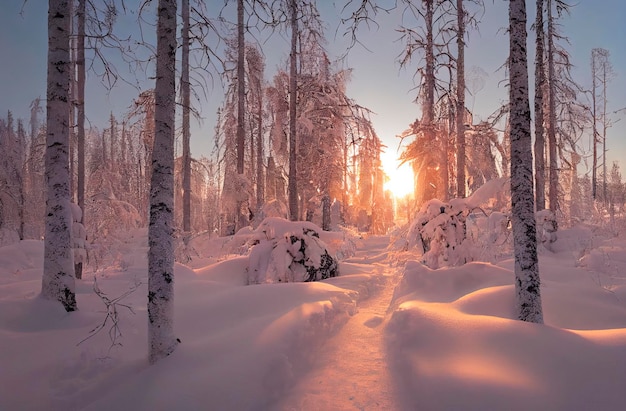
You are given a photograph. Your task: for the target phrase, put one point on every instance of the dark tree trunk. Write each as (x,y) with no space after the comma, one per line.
(185,91)
(292,185)
(460,98)
(540,165)
(553,176)
(80,114)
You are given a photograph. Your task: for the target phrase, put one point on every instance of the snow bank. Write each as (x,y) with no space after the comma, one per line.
(242,347)
(453,342)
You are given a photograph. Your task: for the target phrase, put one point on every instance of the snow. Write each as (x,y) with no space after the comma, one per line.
(388,333)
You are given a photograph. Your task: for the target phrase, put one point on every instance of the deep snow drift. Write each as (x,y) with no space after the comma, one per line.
(448,337)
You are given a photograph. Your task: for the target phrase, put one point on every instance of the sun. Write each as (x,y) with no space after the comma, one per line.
(400,177)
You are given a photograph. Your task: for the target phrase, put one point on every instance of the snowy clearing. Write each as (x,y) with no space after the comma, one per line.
(388,333)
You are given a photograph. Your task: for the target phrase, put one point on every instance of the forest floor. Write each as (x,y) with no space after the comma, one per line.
(350,371)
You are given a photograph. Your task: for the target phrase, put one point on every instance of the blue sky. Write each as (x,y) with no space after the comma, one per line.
(377,82)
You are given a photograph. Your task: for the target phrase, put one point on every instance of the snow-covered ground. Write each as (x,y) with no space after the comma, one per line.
(388,333)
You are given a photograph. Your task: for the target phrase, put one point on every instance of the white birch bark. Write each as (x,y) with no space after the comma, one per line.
(58,265)
(162,341)
(527,283)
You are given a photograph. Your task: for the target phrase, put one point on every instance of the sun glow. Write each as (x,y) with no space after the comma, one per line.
(400,177)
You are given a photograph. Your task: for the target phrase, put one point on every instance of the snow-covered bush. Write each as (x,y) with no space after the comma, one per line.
(546,228)
(439,231)
(462,230)
(286,251)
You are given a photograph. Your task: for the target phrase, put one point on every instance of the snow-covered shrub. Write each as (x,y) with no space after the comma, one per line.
(463,230)
(286,251)
(439,231)
(546,228)
(109,222)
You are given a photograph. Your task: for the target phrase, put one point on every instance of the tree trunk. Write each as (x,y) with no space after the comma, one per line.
(113,142)
(58,266)
(527,283)
(80,117)
(260,175)
(460,101)
(241,95)
(326,223)
(437,158)
(72,118)
(594,168)
(553,176)
(162,341)
(540,144)
(292,185)
(604,127)
(185,91)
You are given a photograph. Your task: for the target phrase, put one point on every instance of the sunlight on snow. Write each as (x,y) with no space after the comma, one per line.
(485,369)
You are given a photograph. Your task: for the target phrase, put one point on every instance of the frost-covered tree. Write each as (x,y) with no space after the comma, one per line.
(293,83)
(460,100)
(35,169)
(482,146)
(540,184)
(426,38)
(162,341)
(601,73)
(58,266)
(80,116)
(527,283)
(185,89)
(552,158)
(12,171)
(238,200)
(256,69)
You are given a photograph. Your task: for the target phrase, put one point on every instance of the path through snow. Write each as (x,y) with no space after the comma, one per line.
(350,371)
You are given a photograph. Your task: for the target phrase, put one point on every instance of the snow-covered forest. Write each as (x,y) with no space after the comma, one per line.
(282,270)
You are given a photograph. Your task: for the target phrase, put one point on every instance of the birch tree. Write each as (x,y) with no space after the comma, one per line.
(58,266)
(162,341)
(527,283)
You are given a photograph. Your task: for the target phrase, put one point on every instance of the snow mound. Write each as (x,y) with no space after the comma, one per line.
(453,329)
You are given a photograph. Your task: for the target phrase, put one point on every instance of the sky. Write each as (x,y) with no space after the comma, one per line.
(377,80)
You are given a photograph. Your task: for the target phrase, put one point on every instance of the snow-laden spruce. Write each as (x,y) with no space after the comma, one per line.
(286,251)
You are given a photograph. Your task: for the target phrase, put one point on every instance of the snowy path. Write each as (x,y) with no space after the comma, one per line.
(350,372)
